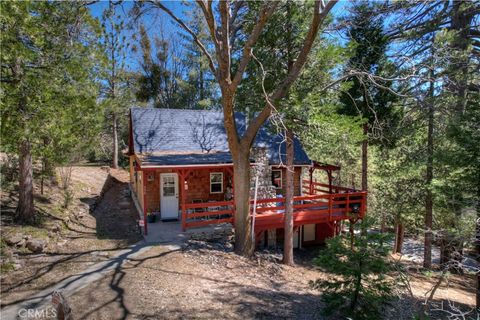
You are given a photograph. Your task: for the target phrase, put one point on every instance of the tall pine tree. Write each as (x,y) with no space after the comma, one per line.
(365,98)
(49,54)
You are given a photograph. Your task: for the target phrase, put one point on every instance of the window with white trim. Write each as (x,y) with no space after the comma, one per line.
(216,182)
(277,179)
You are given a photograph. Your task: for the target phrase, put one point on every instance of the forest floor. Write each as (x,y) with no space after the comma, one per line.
(201,278)
(88,232)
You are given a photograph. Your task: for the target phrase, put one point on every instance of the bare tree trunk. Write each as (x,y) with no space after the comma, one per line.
(240,146)
(427,255)
(288,239)
(365,165)
(358,284)
(61,305)
(383,224)
(42,177)
(115,142)
(352,235)
(243,241)
(113,92)
(477,240)
(25,209)
(365,158)
(47,174)
(288,225)
(399,236)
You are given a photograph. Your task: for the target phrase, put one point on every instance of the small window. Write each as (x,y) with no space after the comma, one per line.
(168,186)
(216,182)
(277,178)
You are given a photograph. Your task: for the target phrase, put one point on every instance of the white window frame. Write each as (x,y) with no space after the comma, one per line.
(281,178)
(221,182)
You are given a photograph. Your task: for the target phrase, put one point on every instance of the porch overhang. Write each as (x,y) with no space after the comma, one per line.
(184,159)
(187,160)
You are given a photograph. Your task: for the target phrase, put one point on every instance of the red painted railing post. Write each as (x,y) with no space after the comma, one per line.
(145,222)
(182,198)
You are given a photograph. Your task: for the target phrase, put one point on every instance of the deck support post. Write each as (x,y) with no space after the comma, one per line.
(333,226)
(145,222)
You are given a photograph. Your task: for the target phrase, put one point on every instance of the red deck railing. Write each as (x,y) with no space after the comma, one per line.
(206,213)
(310,209)
(321,206)
(324,188)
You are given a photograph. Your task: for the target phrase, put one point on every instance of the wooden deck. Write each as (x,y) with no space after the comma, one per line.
(311,209)
(318,206)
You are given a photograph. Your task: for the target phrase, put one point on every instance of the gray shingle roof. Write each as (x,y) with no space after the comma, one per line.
(184,136)
(187,159)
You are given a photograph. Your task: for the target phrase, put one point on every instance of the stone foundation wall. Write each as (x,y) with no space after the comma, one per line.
(265,189)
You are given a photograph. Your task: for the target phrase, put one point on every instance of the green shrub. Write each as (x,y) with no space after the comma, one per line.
(360,286)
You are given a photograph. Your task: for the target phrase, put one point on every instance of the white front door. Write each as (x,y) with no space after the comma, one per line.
(169,195)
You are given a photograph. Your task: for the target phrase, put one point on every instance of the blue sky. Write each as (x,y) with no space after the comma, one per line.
(160,21)
(152,23)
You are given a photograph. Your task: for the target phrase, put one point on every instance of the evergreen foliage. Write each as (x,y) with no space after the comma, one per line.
(65,89)
(174,73)
(117,90)
(49,78)
(361,285)
(368,95)
(49,67)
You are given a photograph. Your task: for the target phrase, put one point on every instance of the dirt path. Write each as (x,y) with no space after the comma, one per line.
(211,283)
(205,284)
(70,285)
(92,232)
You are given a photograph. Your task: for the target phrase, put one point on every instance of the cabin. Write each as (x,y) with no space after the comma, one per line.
(181,169)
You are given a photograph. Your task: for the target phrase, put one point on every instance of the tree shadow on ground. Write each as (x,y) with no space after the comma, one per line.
(57,260)
(115,279)
(99,269)
(110,223)
(249,300)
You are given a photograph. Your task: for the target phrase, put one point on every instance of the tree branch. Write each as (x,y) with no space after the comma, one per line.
(318,17)
(210,19)
(159,5)
(225,39)
(265,13)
